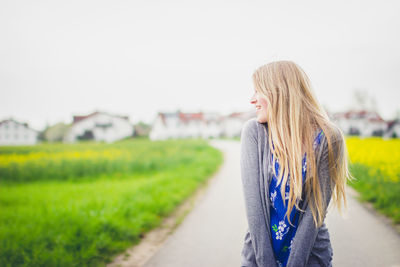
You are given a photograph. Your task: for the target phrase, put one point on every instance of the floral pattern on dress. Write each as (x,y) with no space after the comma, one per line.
(273,196)
(282,232)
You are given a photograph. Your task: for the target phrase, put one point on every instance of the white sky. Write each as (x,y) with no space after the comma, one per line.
(135,58)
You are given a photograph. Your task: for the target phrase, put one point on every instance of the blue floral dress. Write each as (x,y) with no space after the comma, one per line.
(282,232)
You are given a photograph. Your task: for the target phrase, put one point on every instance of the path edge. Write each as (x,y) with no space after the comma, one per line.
(370,208)
(152,241)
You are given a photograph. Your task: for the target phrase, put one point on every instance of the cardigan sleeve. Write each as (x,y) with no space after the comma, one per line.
(257,250)
(307,231)
(248,256)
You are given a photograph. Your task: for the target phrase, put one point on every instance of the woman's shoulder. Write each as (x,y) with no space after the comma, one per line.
(336,140)
(251,128)
(253,125)
(335,135)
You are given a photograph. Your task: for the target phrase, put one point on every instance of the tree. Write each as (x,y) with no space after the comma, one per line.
(142,129)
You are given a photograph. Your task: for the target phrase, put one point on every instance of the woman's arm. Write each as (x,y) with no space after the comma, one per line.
(307,232)
(248,256)
(257,249)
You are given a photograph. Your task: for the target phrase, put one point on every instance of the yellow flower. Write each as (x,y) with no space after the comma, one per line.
(377,153)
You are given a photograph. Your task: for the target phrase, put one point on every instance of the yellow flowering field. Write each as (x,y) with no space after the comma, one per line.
(78,161)
(81,204)
(375,164)
(376,153)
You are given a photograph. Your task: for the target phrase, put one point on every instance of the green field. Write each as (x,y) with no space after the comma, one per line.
(78,205)
(375,165)
(376,188)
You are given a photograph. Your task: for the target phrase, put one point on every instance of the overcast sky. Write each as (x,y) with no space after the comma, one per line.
(135,58)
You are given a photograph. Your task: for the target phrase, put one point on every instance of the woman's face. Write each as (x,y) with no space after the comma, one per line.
(260,103)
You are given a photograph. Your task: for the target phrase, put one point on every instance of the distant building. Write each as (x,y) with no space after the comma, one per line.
(185,125)
(99,126)
(231,125)
(393,129)
(17,133)
(197,125)
(363,123)
(212,127)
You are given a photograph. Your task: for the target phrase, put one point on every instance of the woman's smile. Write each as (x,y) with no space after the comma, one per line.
(260,103)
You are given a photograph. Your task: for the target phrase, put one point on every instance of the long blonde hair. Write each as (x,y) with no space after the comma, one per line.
(294,115)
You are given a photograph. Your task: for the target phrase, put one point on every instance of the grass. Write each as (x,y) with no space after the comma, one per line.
(84,160)
(375,163)
(376,188)
(86,220)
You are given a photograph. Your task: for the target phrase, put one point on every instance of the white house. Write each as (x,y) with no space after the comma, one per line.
(198,125)
(363,123)
(393,129)
(17,133)
(99,126)
(231,125)
(212,128)
(185,125)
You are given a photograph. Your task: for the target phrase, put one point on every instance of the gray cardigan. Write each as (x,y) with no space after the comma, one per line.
(311,245)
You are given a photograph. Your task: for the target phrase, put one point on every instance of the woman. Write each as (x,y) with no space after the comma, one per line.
(293,161)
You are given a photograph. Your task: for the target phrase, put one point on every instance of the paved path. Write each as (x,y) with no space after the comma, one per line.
(362,237)
(212,234)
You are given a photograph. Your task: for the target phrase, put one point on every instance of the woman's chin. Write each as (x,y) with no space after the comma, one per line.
(261,120)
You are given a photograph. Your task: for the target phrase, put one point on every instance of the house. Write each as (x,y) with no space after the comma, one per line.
(13,132)
(172,125)
(198,125)
(99,126)
(393,129)
(231,125)
(212,127)
(362,122)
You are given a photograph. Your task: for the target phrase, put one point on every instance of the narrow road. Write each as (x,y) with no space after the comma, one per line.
(212,234)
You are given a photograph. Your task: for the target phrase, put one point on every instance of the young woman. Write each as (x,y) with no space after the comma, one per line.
(293,161)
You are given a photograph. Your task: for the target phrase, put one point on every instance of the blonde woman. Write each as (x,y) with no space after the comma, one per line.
(293,161)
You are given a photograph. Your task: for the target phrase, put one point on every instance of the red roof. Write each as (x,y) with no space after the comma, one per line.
(392,123)
(183,117)
(186,117)
(361,114)
(80,117)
